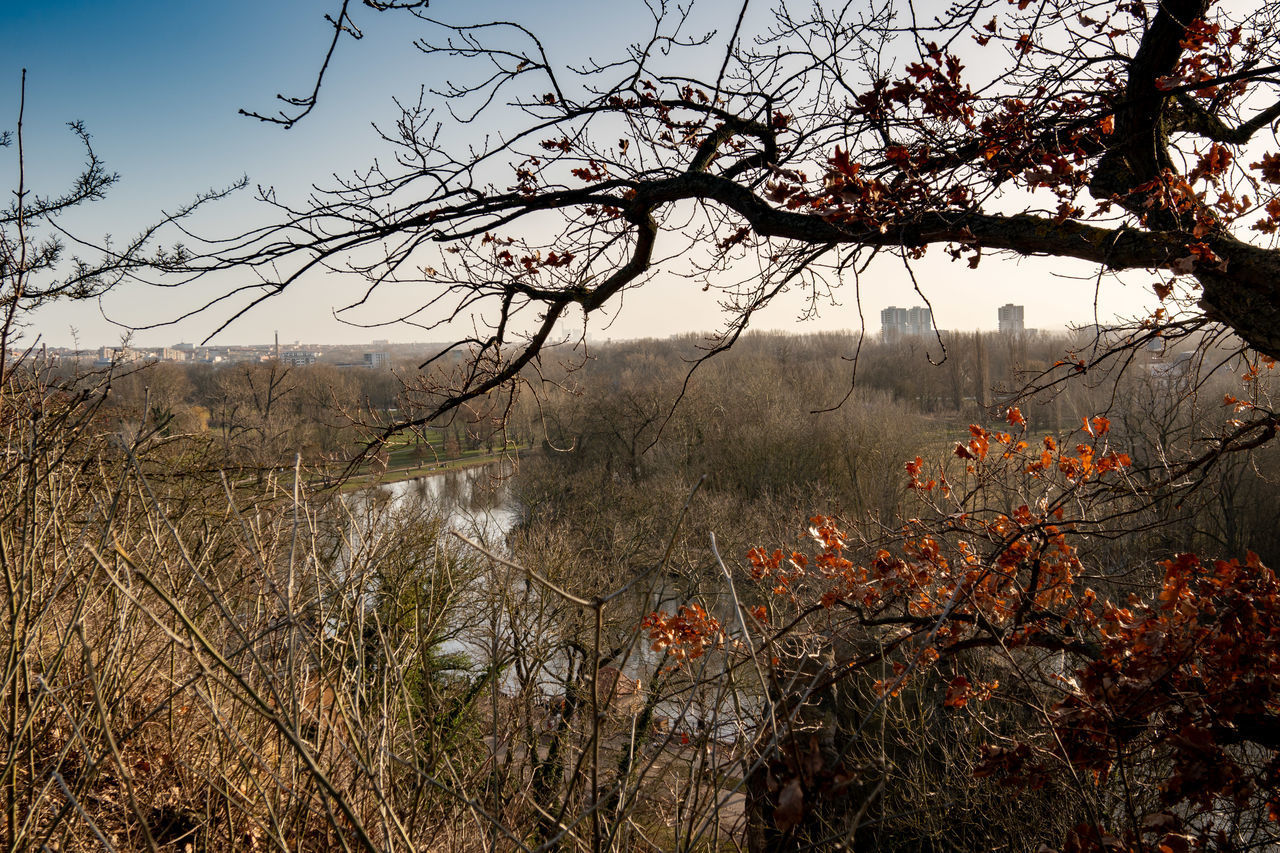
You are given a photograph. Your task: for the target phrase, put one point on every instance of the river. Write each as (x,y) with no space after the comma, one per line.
(477,500)
(478,503)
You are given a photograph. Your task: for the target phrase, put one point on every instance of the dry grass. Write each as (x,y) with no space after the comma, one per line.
(194,666)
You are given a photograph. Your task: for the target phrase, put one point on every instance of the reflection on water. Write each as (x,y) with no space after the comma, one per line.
(476,501)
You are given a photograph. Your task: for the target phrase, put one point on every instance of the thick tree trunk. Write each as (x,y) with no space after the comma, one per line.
(1246,295)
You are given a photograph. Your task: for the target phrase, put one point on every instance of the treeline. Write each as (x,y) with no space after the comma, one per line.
(785,426)
(784,423)
(264,415)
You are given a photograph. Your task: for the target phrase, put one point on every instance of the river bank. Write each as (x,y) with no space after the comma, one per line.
(392,475)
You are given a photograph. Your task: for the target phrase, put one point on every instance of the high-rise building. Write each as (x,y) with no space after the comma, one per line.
(905,322)
(893,323)
(1011,319)
(919,321)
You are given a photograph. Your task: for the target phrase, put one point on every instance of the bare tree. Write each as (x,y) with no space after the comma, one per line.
(788,153)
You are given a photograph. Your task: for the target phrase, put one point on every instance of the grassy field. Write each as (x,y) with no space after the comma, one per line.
(406,458)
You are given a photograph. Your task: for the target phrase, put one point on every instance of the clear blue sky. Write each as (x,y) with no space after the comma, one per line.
(159,84)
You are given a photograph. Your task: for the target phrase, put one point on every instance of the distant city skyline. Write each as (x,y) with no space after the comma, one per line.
(916,321)
(376,355)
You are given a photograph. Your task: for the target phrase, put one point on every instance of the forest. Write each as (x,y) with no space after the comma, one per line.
(738,590)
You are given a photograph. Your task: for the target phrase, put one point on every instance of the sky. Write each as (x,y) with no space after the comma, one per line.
(159,83)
